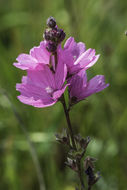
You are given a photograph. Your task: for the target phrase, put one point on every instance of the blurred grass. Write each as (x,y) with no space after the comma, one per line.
(101,25)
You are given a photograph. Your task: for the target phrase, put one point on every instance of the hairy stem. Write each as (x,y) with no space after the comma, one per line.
(73,141)
(68,122)
(80,174)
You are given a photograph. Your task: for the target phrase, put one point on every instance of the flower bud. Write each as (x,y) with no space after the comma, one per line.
(47,35)
(60,35)
(51,47)
(51,22)
(53,35)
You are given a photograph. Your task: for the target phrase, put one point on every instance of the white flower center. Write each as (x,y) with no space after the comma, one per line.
(74,57)
(49,89)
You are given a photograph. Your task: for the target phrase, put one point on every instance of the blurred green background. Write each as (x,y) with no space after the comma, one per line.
(100,24)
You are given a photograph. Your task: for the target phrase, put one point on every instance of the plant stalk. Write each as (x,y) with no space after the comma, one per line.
(73,141)
(68,122)
(66,111)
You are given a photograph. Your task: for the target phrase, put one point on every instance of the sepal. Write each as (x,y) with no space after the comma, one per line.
(63,137)
(71,163)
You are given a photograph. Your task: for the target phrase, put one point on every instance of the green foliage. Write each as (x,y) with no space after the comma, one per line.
(101,25)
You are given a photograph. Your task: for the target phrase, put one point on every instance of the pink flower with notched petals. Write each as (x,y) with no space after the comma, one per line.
(78,57)
(49,66)
(43,87)
(80,88)
(44,84)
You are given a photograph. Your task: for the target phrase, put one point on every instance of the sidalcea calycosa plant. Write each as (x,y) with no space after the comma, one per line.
(51,70)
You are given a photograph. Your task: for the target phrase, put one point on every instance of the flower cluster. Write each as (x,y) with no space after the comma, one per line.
(51,69)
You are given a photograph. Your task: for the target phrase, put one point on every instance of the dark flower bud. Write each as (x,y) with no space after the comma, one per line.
(92,178)
(51,22)
(89,170)
(53,35)
(60,35)
(51,47)
(47,35)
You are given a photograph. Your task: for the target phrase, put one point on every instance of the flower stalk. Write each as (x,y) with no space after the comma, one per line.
(68,122)
(78,160)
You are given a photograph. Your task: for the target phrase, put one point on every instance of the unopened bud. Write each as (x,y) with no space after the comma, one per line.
(51,22)
(47,35)
(51,47)
(60,35)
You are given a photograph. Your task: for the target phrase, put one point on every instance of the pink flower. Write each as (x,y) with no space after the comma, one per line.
(37,56)
(44,84)
(80,88)
(78,57)
(42,88)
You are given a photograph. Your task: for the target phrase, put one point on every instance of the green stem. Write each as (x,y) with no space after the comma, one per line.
(68,122)
(66,111)
(73,141)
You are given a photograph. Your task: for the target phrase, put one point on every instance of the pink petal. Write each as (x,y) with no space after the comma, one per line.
(77,83)
(86,56)
(36,103)
(84,61)
(69,42)
(94,60)
(81,46)
(76,49)
(33,95)
(61,71)
(43,78)
(25,61)
(40,53)
(96,84)
(57,94)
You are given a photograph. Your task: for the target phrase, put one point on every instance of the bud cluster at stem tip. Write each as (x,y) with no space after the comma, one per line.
(53,35)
